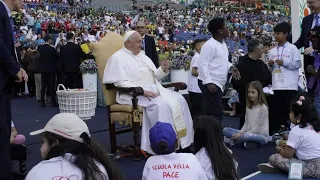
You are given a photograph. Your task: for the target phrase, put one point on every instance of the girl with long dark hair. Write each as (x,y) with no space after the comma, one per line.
(216,159)
(303,142)
(69,152)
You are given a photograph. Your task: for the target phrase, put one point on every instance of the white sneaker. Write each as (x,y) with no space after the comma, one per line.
(268,168)
(228,141)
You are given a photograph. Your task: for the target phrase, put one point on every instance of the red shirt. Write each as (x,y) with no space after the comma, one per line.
(44,26)
(57,25)
(68,26)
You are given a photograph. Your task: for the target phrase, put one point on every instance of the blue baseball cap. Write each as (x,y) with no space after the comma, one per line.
(163,132)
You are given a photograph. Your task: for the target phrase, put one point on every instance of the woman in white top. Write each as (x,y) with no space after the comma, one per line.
(167,164)
(303,141)
(215,158)
(255,130)
(69,152)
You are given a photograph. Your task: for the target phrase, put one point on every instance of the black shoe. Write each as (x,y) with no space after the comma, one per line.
(250,145)
(43,104)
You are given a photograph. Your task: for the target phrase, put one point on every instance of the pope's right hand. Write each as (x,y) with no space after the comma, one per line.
(150,94)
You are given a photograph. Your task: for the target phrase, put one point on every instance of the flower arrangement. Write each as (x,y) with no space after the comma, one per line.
(181,62)
(88,66)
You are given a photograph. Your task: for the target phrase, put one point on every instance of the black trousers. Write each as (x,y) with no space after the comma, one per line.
(5,131)
(19,153)
(212,102)
(60,78)
(19,88)
(241,107)
(31,85)
(196,107)
(73,80)
(280,109)
(48,84)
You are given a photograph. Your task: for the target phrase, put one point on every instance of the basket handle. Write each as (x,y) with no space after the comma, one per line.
(91,86)
(61,85)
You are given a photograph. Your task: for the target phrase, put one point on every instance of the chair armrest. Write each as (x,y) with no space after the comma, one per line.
(177,86)
(135,91)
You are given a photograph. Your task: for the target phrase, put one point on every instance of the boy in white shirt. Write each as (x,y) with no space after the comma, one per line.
(284,61)
(167,164)
(195,94)
(214,66)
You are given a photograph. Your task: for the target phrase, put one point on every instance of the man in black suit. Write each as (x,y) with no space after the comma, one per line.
(47,66)
(148,44)
(10,70)
(308,23)
(71,55)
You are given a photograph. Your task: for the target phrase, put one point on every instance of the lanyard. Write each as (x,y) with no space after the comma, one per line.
(280,56)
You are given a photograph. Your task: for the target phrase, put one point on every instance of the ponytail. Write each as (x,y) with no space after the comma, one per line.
(304,108)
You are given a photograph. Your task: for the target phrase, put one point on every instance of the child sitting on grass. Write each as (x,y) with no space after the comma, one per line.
(216,159)
(167,164)
(303,142)
(255,130)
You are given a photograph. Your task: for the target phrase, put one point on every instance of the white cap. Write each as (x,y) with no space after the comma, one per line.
(127,35)
(67,125)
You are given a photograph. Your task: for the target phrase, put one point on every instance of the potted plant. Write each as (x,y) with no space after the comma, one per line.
(180,68)
(89,69)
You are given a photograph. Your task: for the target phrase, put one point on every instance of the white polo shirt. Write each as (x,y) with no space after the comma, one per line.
(213,63)
(285,77)
(178,166)
(193,80)
(59,168)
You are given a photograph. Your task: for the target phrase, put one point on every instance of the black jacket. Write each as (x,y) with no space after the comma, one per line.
(9,66)
(150,50)
(70,57)
(251,70)
(48,60)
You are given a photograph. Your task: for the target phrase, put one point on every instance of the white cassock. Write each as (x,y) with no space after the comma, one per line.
(124,69)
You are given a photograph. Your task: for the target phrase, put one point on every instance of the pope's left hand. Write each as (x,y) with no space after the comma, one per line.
(235,73)
(165,65)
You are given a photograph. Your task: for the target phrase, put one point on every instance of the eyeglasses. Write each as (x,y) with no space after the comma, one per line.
(140,27)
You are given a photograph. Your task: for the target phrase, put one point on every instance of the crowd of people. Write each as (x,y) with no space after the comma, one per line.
(51,44)
(173,30)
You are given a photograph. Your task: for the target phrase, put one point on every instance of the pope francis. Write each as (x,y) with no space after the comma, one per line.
(130,67)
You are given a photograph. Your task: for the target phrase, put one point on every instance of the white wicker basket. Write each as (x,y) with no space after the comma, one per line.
(81,103)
